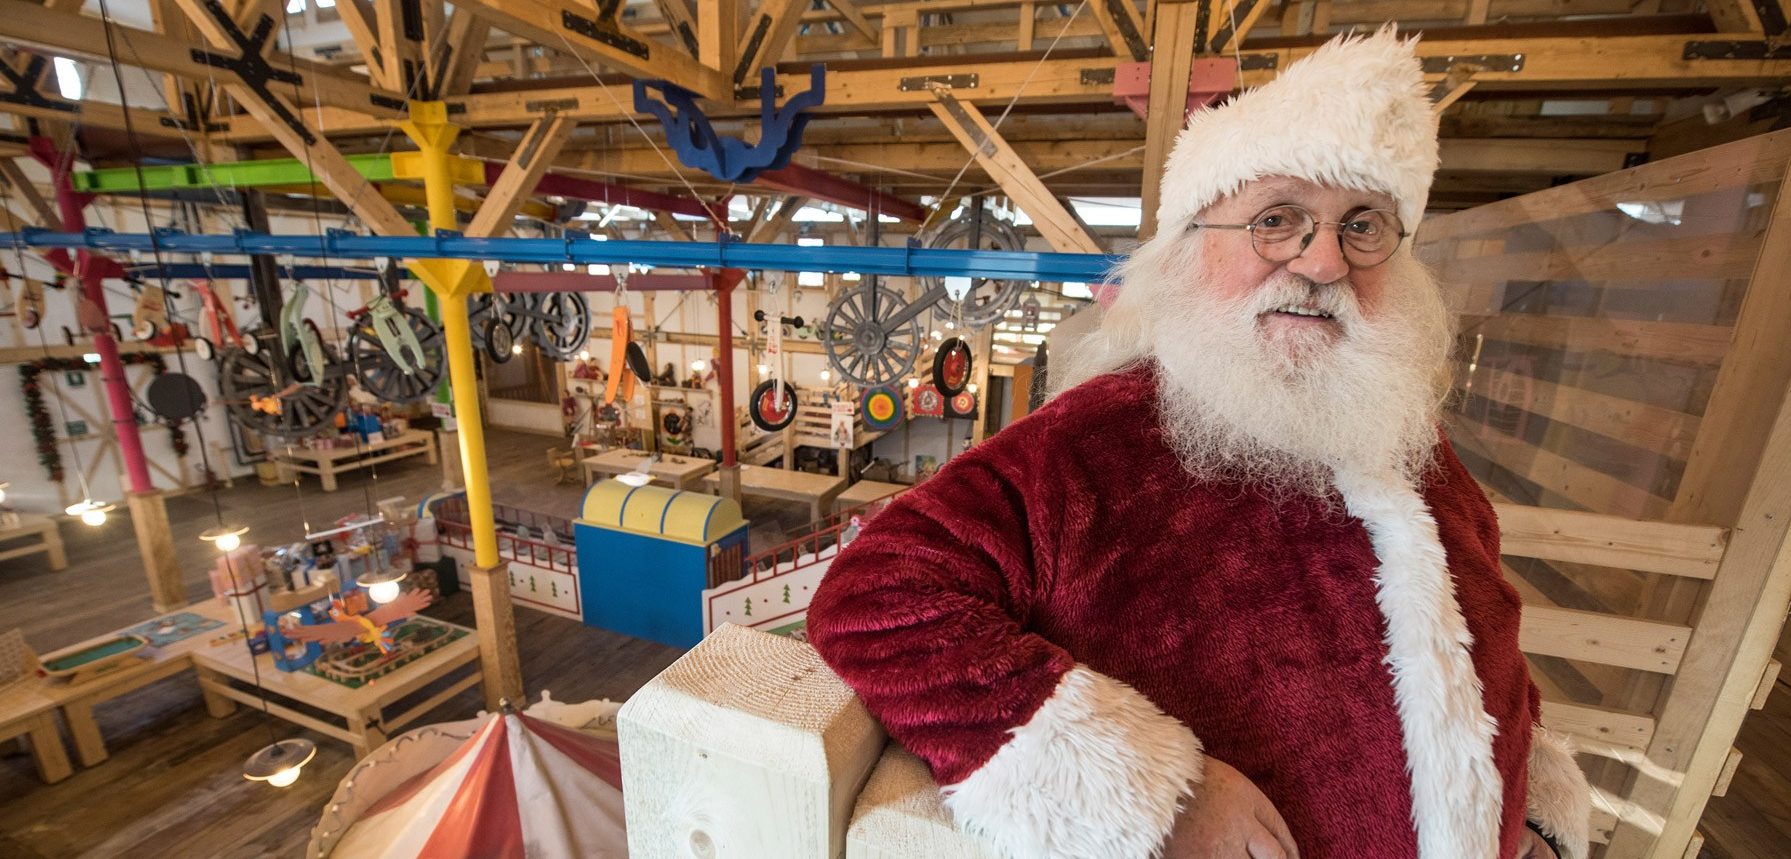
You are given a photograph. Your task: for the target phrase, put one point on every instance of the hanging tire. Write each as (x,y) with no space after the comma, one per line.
(498,340)
(763,406)
(951,366)
(637,364)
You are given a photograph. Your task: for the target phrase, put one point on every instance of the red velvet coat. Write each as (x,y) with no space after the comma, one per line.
(1073,538)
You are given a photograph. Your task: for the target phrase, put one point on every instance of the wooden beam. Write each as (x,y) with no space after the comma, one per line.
(1734,16)
(1234,23)
(1122,25)
(358,17)
(768,31)
(767,230)
(1694,551)
(1612,727)
(464,49)
(718,32)
(22,185)
(682,23)
(565,25)
(1052,219)
(400,29)
(855,18)
(539,146)
(1178,36)
(1605,639)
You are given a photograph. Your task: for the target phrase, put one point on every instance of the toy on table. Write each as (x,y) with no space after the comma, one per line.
(87,660)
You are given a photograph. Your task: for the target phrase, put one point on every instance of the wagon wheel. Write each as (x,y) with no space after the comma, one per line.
(763,406)
(988,300)
(381,376)
(563,324)
(303,412)
(868,340)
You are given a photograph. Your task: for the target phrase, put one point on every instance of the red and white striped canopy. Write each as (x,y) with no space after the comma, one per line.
(520,787)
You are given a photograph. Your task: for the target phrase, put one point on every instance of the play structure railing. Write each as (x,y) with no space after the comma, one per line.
(453,527)
(806,549)
(1621,393)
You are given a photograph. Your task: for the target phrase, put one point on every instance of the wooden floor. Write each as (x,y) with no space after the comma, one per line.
(173,786)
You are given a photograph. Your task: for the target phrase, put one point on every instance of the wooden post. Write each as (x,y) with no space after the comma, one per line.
(149,518)
(498,661)
(1172,65)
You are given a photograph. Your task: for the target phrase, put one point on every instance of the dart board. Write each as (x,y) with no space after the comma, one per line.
(881,408)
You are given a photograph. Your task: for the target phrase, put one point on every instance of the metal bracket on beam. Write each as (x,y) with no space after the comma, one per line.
(252,68)
(552,105)
(1095,77)
(604,29)
(25,87)
(1135,41)
(1259,62)
(1483,62)
(1239,12)
(968,80)
(1755,50)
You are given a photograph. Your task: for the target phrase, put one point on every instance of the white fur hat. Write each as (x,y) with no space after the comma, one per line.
(1352,114)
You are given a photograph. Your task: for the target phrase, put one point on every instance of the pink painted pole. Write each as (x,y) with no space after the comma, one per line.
(89,270)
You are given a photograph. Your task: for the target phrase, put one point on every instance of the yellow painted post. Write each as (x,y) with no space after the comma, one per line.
(451,281)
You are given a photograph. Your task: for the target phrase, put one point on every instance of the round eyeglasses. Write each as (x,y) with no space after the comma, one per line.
(1368,237)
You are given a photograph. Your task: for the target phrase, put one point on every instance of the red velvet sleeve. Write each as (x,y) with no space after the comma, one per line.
(924,615)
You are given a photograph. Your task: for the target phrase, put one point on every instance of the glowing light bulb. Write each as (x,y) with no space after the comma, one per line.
(913,383)
(93,516)
(284,778)
(699,365)
(584,354)
(228,542)
(971,387)
(516,349)
(826,375)
(382,593)
(764,369)
(938,336)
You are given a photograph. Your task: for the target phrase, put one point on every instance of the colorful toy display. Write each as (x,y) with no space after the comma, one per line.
(164,631)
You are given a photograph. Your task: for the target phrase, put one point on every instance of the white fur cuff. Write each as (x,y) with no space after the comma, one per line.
(1099,771)
(1560,801)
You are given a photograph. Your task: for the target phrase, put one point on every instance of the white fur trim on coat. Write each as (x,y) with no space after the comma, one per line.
(1456,789)
(1559,801)
(1098,772)
(1352,114)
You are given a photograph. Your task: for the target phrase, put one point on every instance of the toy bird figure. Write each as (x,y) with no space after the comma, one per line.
(372,627)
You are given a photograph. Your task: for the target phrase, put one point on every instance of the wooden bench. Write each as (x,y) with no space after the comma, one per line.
(815,490)
(28,714)
(328,462)
(864,492)
(25,526)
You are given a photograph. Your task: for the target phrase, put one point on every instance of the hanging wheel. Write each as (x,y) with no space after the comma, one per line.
(858,344)
(563,326)
(498,341)
(951,366)
(381,376)
(763,406)
(988,301)
(295,357)
(242,375)
(204,349)
(145,330)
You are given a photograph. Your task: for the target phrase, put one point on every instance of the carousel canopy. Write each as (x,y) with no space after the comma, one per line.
(519,787)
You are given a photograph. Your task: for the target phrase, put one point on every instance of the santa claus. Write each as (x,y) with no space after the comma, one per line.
(1229,593)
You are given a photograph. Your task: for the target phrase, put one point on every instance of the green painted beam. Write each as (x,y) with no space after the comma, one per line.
(240,174)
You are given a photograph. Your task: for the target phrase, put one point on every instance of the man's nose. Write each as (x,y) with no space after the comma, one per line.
(1322,261)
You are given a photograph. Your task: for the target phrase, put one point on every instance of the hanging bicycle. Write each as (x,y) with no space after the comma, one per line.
(773,403)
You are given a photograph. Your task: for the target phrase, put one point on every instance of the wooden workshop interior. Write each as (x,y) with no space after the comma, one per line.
(385,379)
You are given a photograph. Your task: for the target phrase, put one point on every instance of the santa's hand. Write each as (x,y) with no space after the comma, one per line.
(1229,818)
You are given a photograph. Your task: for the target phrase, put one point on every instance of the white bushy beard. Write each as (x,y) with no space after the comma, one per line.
(1286,416)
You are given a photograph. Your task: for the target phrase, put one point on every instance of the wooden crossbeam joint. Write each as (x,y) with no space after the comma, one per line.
(25,83)
(251,68)
(1240,12)
(604,28)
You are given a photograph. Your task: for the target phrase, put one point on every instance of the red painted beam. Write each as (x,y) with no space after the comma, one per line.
(809,182)
(603,192)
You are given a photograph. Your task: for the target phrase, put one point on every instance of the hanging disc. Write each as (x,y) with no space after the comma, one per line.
(175,396)
(637,363)
(881,408)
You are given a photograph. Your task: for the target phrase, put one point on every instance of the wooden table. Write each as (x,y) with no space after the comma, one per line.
(328,462)
(43,528)
(27,713)
(681,472)
(817,490)
(864,492)
(221,667)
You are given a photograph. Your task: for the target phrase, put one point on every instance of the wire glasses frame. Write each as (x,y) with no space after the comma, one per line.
(1367,237)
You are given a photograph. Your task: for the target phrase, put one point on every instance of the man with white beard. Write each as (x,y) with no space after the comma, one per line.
(1230,594)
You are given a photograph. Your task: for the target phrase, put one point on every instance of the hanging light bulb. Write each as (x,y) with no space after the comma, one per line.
(937,335)
(382,585)
(826,375)
(516,349)
(914,383)
(971,387)
(699,365)
(226,538)
(89,511)
(764,369)
(279,764)
(584,354)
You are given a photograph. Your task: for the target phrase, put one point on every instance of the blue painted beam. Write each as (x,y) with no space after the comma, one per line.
(200,271)
(579,248)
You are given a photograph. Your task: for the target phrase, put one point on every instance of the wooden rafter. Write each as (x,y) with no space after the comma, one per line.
(454,67)
(718,29)
(563,25)
(401,31)
(767,33)
(363,30)
(1123,26)
(20,184)
(683,24)
(535,152)
(1233,20)
(1062,229)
